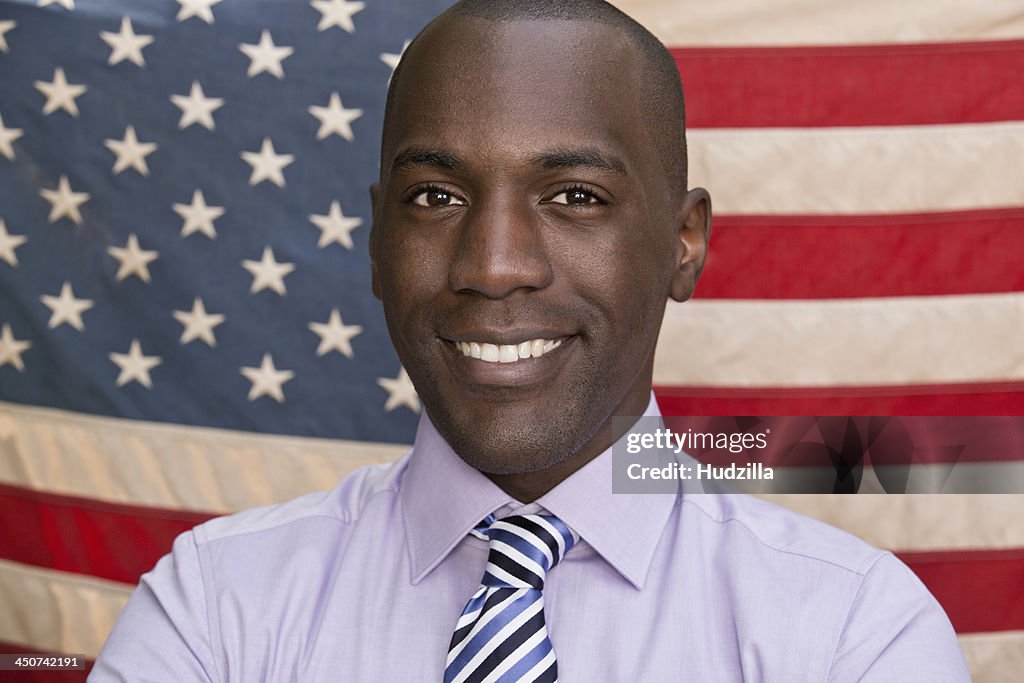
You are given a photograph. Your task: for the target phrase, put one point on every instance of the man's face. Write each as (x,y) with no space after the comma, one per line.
(525,238)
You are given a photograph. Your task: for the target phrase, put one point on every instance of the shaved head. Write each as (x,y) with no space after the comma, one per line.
(661,101)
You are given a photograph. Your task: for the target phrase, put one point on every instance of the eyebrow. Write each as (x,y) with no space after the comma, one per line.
(572,158)
(413,157)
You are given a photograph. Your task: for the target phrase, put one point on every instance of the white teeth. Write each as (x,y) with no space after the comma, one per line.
(489,353)
(507,353)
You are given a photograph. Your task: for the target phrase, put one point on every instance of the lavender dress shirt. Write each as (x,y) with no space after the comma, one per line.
(365,583)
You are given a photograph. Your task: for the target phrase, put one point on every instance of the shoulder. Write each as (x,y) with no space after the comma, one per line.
(776,531)
(345,505)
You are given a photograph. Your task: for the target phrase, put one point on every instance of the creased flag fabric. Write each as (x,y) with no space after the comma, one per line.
(187,327)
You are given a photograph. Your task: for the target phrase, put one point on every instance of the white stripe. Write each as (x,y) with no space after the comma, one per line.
(516,556)
(150,464)
(971,477)
(887,169)
(848,342)
(499,638)
(813,22)
(540,667)
(56,611)
(516,655)
(918,522)
(503,576)
(527,536)
(470,617)
(559,538)
(994,657)
(485,619)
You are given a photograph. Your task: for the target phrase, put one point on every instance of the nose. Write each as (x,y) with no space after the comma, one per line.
(501,249)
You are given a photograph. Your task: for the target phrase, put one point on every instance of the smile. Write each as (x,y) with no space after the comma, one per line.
(507,353)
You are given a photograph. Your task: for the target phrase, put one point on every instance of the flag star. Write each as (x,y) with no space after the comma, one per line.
(392,60)
(126,44)
(267,272)
(66,4)
(66,308)
(265,56)
(335,335)
(64,202)
(8,243)
(400,392)
(133,259)
(130,152)
(267,380)
(334,118)
(11,349)
(335,227)
(267,164)
(336,13)
(5,26)
(196,107)
(198,323)
(60,94)
(134,366)
(198,216)
(7,136)
(196,8)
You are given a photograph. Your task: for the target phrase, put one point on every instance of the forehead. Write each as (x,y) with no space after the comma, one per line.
(517,88)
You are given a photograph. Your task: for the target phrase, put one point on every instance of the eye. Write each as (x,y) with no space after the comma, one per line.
(576,196)
(435,197)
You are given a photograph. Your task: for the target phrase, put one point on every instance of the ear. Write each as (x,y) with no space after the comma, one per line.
(694,219)
(374,236)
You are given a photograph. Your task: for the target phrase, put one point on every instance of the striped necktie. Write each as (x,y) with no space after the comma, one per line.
(501,635)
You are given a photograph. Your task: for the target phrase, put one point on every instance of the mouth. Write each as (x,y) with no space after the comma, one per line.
(509,362)
(508,353)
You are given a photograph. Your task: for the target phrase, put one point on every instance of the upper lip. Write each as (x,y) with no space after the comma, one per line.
(504,335)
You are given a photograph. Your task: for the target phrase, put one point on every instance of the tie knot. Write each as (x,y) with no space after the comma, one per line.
(523,548)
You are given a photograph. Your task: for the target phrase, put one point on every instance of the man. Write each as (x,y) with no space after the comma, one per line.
(530,223)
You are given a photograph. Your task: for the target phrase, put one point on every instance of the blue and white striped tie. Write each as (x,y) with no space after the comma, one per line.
(501,636)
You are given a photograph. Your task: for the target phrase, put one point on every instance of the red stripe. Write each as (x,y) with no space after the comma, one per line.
(864,85)
(825,257)
(41,676)
(966,399)
(116,542)
(981,590)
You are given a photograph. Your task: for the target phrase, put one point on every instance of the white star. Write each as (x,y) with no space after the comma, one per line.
(5,26)
(336,13)
(334,118)
(66,308)
(134,366)
(130,152)
(400,392)
(392,60)
(125,44)
(133,259)
(198,323)
(335,335)
(8,243)
(335,227)
(198,216)
(7,136)
(265,56)
(267,272)
(64,202)
(60,94)
(267,380)
(267,164)
(11,349)
(196,107)
(196,8)
(66,4)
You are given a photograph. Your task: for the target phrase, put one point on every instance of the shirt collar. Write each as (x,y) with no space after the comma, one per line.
(443,498)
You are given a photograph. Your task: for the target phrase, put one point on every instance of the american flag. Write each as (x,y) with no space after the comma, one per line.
(187,329)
